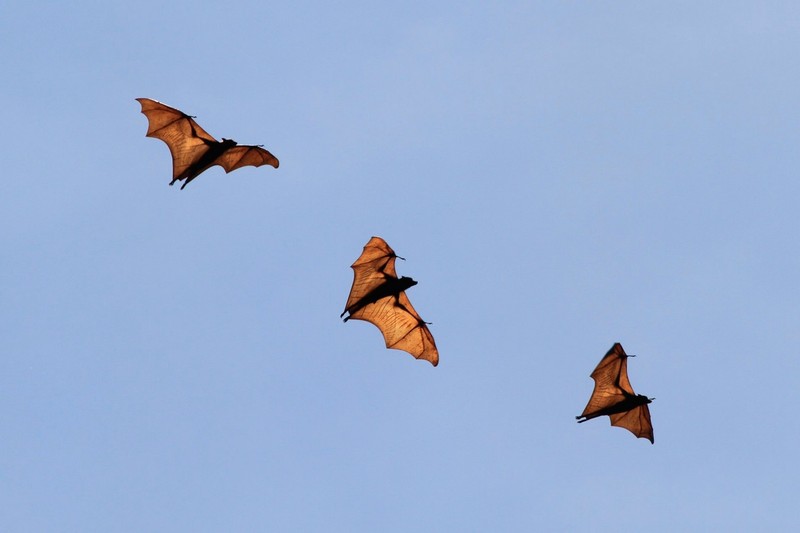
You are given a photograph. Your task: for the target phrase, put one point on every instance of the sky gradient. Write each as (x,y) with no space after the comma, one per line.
(559,176)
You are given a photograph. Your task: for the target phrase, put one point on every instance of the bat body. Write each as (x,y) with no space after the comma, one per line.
(613,396)
(378,296)
(193,149)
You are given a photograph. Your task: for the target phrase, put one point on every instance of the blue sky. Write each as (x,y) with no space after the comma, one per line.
(559,176)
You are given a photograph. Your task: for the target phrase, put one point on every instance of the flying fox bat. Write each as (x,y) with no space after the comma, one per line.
(614,396)
(193,149)
(378,296)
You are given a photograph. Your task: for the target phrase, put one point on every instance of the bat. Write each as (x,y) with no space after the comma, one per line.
(614,396)
(378,296)
(193,149)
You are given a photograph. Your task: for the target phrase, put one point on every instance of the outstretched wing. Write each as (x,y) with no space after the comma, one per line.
(636,420)
(401,326)
(377,296)
(371,270)
(610,381)
(187,141)
(245,155)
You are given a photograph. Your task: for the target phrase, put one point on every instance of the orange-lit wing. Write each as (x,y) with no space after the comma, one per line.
(245,155)
(610,381)
(187,141)
(637,421)
(371,269)
(401,326)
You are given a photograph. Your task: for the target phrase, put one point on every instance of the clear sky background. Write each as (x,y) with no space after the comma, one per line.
(559,176)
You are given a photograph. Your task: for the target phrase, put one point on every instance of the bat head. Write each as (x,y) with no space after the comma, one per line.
(405,282)
(228,142)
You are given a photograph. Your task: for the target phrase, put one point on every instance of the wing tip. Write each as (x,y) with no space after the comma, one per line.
(432,359)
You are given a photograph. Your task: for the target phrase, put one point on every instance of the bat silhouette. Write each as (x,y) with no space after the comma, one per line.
(193,149)
(378,296)
(614,396)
